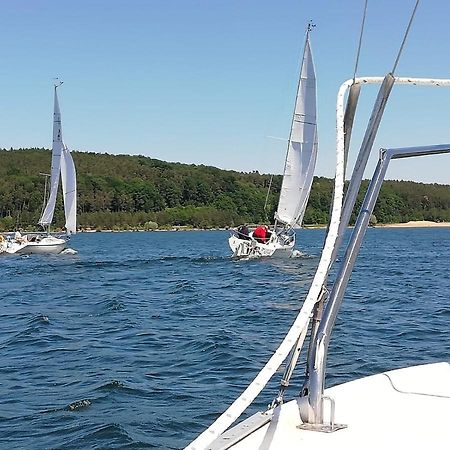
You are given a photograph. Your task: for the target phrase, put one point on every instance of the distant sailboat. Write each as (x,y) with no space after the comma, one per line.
(3,244)
(298,172)
(62,164)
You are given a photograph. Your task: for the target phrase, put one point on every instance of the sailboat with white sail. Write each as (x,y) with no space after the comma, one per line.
(297,176)
(62,167)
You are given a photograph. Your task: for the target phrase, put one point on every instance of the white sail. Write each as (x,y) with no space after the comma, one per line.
(302,147)
(69,186)
(57,147)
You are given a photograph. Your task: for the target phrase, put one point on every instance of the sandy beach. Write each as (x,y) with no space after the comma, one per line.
(415,224)
(411,224)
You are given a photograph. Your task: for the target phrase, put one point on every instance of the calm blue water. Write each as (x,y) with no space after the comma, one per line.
(142,339)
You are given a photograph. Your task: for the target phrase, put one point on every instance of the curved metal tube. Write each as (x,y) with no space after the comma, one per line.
(317,372)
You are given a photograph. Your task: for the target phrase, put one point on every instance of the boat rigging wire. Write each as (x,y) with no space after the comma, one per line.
(46,175)
(267,195)
(360,40)
(406,35)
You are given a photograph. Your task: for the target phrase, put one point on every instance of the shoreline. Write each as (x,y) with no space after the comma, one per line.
(415,224)
(410,224)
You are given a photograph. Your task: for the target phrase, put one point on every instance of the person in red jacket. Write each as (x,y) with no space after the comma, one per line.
(260,234)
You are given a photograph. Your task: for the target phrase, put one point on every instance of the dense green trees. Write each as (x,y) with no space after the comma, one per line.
(120,192)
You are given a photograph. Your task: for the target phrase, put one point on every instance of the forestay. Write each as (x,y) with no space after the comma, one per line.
(302,147)
(57,148)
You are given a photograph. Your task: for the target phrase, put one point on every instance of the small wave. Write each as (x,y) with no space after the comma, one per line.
(112,385)
(211,259)
(184,286)
(32,328)
(196,259)
(69,251)
(174,258)
(109,305)
(110,432)
(114,305)
(41,318)
(111,436)
(116,387)
(79,404)
(122,265)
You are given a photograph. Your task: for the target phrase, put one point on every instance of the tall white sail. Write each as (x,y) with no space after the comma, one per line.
(69,185)
(57,148)
(302,147)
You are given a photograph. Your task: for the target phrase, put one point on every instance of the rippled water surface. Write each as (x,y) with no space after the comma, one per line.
(141,339)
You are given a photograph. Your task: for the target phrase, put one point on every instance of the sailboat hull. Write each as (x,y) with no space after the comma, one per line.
(47,245)
(250,248)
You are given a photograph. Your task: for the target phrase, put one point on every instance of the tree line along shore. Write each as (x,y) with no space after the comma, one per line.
(122,192)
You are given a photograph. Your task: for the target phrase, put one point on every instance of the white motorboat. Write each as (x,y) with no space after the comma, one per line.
(405,408)
(64,167)
(298,172)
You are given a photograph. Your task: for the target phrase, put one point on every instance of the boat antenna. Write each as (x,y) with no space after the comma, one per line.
(406,35)
(57,82)
(360,40)
(310,27)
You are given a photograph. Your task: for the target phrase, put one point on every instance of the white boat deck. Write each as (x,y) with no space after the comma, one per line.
(405,408)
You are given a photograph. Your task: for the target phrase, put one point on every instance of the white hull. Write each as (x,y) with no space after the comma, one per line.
(405,408)
(250,248)
(47,245)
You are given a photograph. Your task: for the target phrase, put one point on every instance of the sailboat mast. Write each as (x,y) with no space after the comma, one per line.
(44,201)
(302,145)
(57,146)
(308,32)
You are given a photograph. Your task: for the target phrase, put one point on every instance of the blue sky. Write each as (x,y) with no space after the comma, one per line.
(207,81)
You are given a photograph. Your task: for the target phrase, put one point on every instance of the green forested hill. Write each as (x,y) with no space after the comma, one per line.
(121,191)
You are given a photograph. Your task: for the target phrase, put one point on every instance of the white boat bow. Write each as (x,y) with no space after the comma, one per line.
(412,403)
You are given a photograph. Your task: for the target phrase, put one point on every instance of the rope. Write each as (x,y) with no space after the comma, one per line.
(360,40)
(406,35)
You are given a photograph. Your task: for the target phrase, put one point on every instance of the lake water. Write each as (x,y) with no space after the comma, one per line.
(141,339)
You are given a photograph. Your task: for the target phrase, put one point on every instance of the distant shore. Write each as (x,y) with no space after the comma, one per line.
(415,224)
(410,224)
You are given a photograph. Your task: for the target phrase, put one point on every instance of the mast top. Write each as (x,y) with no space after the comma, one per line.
(57,83)
(310,27)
